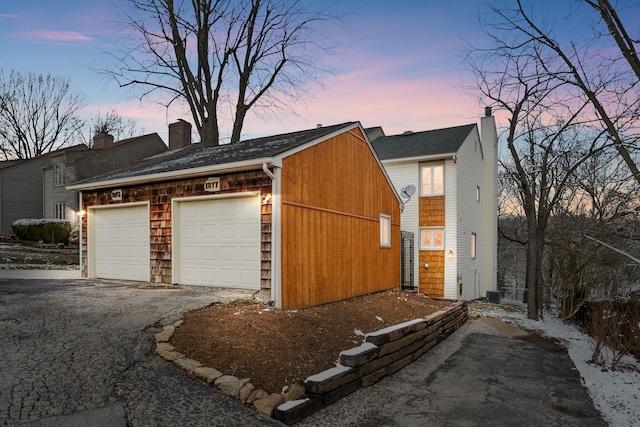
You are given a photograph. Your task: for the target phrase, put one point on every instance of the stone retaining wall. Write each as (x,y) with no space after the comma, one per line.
(384,352)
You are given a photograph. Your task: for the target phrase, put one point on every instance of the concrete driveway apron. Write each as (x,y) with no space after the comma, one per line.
(77,352)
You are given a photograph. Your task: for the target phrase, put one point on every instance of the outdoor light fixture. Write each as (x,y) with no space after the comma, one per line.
(80,213)
(266,198)
(450,254)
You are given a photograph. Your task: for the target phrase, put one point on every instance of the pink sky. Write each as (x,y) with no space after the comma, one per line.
(397,65)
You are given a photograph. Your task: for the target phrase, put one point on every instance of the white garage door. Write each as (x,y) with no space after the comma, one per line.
(120,243)
(219,242)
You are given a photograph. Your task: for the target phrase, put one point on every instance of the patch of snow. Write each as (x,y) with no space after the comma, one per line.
(331,372)
(379,318)
(358,332)
(358,350)
(616,394)
(292,404)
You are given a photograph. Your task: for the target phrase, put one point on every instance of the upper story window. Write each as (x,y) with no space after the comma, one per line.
(385,231)
(58,170)
(432,180)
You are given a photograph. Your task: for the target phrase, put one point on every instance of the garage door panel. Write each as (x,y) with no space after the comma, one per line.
(121,243)
(219,242)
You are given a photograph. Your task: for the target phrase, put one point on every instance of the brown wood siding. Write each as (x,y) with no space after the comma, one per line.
(431,211)
(332,196)
(431,214)
(159,195)
(432,278)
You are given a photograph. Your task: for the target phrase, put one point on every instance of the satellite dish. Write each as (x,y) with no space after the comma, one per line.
(408,191)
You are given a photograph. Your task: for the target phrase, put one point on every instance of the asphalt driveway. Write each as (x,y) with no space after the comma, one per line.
(80,353)
(76,352)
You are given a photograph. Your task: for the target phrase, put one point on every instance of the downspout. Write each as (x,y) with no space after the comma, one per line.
(276,286)
(81,219)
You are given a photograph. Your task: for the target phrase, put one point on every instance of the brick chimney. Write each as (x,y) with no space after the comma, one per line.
(179,134)
(102,140)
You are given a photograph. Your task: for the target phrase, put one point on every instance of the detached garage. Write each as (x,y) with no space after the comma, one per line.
(305,218)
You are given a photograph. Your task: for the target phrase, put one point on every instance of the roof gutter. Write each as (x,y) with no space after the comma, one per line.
(177,174)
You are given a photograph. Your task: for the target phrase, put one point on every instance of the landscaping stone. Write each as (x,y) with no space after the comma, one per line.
(164,346)
(257,394)
(294,391)
(178,323)
(225,378)
(246,392)
(269,404)
(207,374)
(166,334)
(171,356)
(188,365)
(232,388)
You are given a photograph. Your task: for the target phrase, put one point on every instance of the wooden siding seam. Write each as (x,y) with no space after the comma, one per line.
(300,205)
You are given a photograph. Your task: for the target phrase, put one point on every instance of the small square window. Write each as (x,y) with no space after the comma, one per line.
(431,238)
(385,231)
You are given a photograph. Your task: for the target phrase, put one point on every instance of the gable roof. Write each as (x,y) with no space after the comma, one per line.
(196,160)
(422,144)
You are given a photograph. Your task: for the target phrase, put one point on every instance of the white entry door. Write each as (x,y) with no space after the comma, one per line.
(218,242)
(119,243)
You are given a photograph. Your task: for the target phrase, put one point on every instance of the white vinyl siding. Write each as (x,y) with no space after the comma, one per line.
(403,174)
(487,246)
(469,215)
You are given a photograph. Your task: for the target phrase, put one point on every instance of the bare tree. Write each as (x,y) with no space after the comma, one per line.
(224,57)
(612,91)
(549,136)
(38,114)
(112,123)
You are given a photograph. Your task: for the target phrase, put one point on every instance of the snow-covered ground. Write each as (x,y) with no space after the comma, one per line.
(616,394)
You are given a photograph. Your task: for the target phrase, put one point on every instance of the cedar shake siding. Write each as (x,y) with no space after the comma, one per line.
(160,195)
(431,280)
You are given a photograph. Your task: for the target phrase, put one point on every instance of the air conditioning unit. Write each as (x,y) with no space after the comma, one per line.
(493,297)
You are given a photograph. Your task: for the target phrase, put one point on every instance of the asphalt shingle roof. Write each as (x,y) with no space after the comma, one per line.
(417,144)
(195,155)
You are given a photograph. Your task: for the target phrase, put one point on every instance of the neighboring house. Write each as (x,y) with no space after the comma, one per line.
(305,218)
(21,188)
(453,213)
(66,167)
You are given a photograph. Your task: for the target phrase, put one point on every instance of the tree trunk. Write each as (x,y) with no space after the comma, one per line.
(209,136)
(531,275)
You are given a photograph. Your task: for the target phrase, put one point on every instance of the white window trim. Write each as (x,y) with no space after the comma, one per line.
(474,244)
(59,210)
(431,248)
(385,233)
(58,176)
(431,168)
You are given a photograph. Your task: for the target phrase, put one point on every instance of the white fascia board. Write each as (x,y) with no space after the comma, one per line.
(177,174)
(432,157)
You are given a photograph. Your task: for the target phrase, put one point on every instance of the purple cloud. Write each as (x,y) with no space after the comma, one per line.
(57,36)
